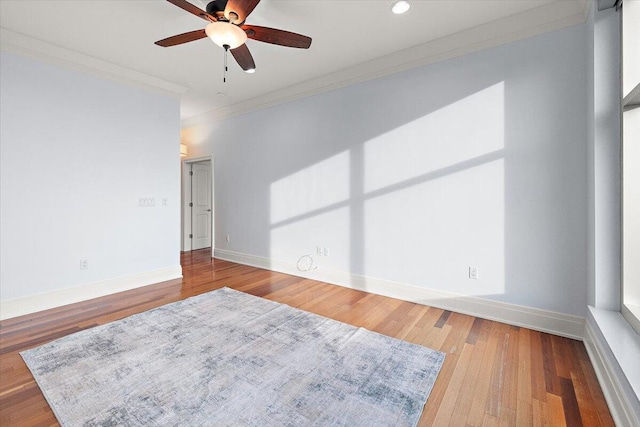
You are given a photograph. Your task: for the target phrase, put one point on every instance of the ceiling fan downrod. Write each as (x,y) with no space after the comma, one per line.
(226,54)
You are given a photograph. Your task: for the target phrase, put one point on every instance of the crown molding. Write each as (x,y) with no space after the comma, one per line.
(13,42)
(544,19)
(547,18)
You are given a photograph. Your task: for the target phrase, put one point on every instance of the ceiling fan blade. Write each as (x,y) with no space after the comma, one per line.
(243,57)
(185,5)
(279,37)
(242,8)
(182,38)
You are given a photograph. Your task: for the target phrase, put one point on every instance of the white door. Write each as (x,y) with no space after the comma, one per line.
(201,205)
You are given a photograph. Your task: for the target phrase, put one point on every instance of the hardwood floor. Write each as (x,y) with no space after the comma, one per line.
(494,374)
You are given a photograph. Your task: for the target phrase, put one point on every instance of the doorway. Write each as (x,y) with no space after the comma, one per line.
(198,210)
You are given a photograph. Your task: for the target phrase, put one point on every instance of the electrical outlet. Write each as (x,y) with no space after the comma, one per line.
(146,202)
(325,252)
(318,250)
(473,273)
(165,201)
(227,238)
(84,264)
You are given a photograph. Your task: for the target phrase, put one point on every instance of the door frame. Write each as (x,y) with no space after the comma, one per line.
(186,210)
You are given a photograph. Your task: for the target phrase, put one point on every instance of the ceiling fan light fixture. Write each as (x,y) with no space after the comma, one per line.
(400,7)
(250,70)
(224,33)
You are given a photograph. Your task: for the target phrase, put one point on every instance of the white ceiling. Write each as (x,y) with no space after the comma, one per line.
(353,40)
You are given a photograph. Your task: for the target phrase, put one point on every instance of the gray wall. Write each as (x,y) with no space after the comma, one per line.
(476,161)
(76,154)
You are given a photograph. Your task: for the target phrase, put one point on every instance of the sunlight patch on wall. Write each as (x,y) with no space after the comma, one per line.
(460,131)
(448,224)
(315,187)
(330,230)
(419,204)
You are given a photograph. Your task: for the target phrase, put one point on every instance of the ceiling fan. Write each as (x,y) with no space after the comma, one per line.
(226,28)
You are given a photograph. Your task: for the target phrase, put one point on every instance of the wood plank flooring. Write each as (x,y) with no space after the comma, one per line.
(494,374)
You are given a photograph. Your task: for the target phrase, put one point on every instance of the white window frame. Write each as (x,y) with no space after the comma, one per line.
(630,166)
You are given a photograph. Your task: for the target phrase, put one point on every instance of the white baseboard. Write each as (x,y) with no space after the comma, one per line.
(541,320)
(34,303)
(610,367)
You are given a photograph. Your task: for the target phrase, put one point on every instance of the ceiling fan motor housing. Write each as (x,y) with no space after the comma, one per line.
(216,7)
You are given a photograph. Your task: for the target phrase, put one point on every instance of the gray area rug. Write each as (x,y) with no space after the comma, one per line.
(226,358)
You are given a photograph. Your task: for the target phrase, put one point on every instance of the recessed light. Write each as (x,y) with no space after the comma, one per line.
(222,94)
(400,7)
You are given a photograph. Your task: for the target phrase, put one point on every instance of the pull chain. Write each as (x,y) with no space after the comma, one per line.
(226,52)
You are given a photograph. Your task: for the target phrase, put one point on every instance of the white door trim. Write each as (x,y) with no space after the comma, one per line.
(186,191)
